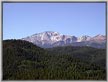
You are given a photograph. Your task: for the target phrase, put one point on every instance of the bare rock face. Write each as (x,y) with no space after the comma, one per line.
(84,38)
(49,39)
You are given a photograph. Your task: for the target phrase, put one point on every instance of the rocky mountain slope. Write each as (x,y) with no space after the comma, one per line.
(50,39)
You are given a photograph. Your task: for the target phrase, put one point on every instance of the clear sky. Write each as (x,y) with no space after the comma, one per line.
(25,19)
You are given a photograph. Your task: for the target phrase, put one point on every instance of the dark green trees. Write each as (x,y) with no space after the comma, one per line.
(24,61)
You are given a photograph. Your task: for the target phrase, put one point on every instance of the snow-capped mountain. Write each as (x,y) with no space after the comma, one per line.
(84,38)
(51,39)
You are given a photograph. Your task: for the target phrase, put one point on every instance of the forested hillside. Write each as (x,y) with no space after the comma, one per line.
(23,60)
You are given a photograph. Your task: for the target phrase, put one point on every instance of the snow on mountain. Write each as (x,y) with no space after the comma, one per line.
(51,39)
(84,38)
(99,38)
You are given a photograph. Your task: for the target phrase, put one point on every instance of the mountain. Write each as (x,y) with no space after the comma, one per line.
(22,60)
(49,39)
(84,38)
(18,55)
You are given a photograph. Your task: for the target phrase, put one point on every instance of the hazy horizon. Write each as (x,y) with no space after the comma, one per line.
(76,19)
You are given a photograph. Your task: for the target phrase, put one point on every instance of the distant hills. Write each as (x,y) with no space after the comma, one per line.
(49,39)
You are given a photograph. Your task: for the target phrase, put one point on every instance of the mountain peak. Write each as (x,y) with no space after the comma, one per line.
(50,32)
(99,35)
(51,38)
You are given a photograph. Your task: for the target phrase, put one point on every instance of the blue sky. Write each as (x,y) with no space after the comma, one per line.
(24,19)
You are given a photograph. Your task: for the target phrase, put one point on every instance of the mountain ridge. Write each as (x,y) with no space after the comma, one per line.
(49,39)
